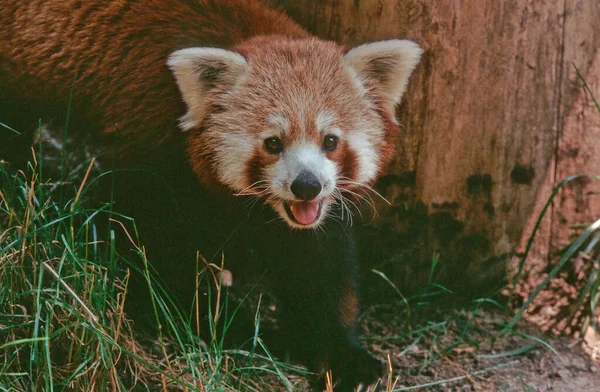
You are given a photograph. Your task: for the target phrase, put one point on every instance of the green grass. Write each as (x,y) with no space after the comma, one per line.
(63,286)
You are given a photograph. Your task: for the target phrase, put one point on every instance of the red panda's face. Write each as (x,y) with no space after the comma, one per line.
(297,124)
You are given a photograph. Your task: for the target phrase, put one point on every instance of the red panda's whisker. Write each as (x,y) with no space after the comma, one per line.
(251,199)
(277,220)
(253,194)
(252,186)
(339,196)
(347,181)
(343,207)
(261,193)
(368,199)
(355,194)
(256,197)
(351,202)
(254,201)
(336,217)
(320,227)
(360,197)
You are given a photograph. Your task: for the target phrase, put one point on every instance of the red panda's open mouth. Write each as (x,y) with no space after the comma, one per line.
(303,212)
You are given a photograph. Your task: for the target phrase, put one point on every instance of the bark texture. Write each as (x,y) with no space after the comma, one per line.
(561,308)
(492,116)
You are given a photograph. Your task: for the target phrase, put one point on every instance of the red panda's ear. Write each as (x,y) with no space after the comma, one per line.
(200,70)
(387,64)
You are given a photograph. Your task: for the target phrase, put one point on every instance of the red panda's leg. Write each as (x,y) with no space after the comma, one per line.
(323,336)
(351,364)
(319,298)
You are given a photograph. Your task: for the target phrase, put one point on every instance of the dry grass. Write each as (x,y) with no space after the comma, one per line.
(63,286)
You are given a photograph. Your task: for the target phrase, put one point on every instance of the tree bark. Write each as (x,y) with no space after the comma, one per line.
(575,206)
(483,122)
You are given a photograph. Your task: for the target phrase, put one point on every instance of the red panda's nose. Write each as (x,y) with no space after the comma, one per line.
(306,186)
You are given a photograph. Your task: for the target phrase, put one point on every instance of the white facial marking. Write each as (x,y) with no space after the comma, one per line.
(267,133)
(303,156)
(335,131)
(233,151)
(325,120)
(279,121)
(366,153)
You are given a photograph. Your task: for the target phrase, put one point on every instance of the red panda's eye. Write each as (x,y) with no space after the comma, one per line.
(330,142)
(273,145)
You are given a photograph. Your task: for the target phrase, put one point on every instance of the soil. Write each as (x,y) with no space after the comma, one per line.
(437,345)
(450,349)
(464,350)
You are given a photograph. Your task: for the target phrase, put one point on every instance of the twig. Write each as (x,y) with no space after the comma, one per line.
(459,378)
(93,317)
(87,173)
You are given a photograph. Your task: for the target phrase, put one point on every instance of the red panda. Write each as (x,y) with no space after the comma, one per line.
(257,105)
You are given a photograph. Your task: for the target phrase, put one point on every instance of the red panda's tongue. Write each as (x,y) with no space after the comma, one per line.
(305,212)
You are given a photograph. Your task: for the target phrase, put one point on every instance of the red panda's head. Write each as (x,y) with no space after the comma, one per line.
(294,122)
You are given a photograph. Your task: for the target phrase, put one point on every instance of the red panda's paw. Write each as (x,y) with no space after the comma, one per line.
(354,370)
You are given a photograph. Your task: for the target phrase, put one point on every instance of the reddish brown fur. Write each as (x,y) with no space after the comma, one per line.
(348,306)
(118,49)
(348,161)
(255,167)
(390,127)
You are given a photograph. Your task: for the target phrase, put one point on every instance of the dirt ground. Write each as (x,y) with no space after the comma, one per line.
(460,350)
(441,347)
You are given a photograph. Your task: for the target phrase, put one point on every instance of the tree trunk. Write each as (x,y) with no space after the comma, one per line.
(488,119)
(576,205)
